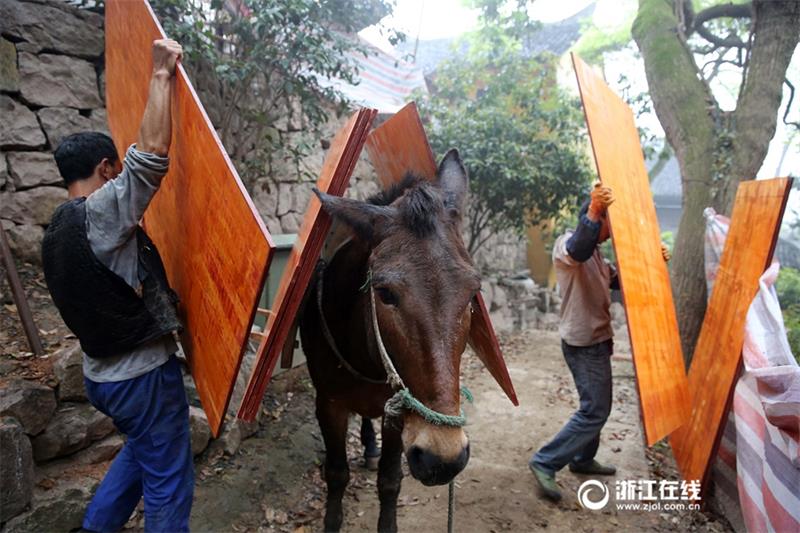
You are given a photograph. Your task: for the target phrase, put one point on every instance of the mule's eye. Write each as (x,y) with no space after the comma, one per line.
(387,296)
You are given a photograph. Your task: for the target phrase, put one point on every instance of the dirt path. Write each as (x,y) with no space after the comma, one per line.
(273,483)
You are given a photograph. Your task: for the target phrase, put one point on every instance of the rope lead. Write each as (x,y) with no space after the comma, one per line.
(451,505)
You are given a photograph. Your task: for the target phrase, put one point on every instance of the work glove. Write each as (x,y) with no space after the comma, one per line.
(665,253)
(601,198)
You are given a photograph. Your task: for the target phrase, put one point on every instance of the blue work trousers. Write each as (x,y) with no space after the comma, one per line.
(578,440)
(156,461)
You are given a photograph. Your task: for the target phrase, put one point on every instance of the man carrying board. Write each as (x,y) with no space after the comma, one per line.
(584,279)
(108,282)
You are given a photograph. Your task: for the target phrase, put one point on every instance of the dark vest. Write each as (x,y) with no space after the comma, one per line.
(106,314)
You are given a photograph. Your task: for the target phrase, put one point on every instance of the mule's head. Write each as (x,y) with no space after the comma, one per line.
(423,281)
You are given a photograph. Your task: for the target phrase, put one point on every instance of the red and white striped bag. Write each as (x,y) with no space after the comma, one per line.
(766,406)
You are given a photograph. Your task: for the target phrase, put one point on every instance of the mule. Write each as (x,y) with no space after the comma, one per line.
(403,268)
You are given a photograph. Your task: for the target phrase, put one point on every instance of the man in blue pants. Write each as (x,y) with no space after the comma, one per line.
(584,279)
(107,280)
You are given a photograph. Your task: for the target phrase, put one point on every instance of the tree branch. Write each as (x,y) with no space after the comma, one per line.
(684,13)
(682,100)
(776,29)
(481,243)
(479,219)
(720,11)
(717,63)
(789,105)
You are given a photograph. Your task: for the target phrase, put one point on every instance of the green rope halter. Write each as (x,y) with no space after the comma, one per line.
(403,399)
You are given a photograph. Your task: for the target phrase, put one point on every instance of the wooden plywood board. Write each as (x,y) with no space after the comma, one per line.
(214,245)
(652,323)
(334,178)
(755,222)
(400,146)
(397,147)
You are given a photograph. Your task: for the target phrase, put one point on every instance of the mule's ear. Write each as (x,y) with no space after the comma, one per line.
(453,180)
(366,220)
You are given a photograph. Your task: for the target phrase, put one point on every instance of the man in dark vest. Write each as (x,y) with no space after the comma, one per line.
(108,282)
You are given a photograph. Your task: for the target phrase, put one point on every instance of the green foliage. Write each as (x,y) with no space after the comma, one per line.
(788,288)
(792,321)
(595,42)
(668,238)
(607,249)
(259,72)
(522,139)
(504,26)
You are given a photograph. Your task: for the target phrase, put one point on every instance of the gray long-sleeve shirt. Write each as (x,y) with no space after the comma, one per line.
(112,214)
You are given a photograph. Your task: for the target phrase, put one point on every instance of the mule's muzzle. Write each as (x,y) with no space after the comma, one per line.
(431,470)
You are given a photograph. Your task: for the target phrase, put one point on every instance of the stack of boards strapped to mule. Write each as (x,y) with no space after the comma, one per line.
(397,147)
(280,328)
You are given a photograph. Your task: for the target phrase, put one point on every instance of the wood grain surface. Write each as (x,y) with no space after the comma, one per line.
(397,147)
(334,178)
(652,323)
(214,245)
(401,147)
(755,222)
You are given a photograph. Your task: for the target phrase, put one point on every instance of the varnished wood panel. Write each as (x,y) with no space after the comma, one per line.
(397,147)
(215,247)
(334,178)
(652,323)
(755,222)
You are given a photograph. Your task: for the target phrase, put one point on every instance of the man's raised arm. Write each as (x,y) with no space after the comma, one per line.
(155,131)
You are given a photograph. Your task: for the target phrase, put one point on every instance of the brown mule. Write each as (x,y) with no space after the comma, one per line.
(407,250)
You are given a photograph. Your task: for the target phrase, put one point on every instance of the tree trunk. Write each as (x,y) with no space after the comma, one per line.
(715,150)
(684,107)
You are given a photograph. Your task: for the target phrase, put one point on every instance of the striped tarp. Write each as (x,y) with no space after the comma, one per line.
(725,496)
(384,82)
(766,411)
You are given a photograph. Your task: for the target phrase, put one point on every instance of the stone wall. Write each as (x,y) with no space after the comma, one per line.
(48,429)
(50,87)
(282,197)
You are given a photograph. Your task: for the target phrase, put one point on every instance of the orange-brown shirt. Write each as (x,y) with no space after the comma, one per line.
(585,296)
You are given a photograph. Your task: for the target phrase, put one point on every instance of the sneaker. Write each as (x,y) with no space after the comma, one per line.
(593,469)
(547,483)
